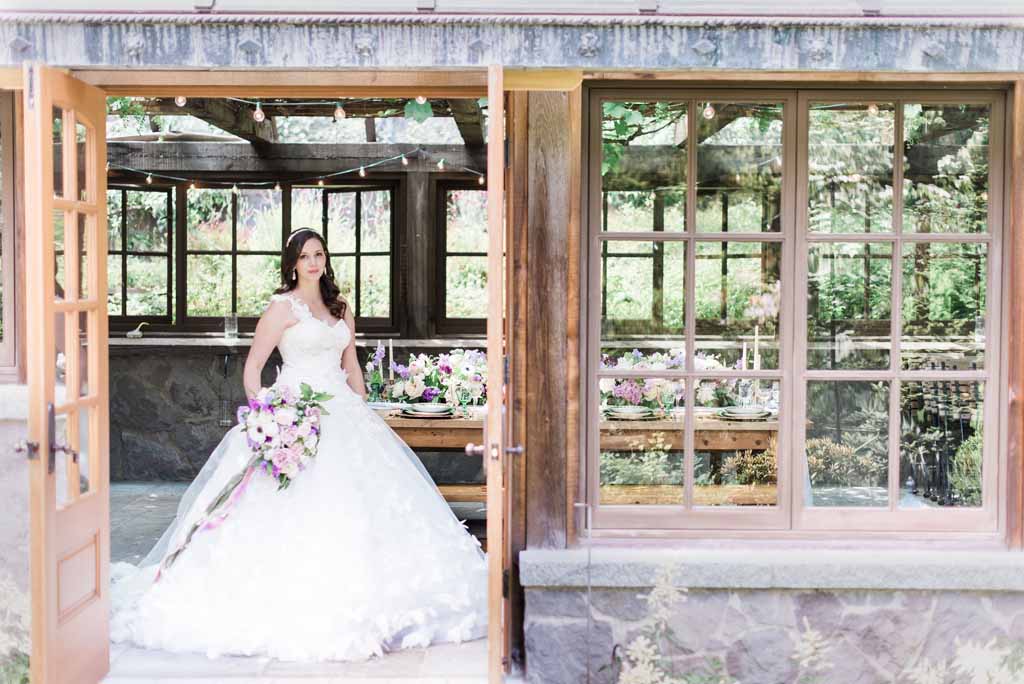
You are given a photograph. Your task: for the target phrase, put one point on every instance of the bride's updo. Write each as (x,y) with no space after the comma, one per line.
(329,290)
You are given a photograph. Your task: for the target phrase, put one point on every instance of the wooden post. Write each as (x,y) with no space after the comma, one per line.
(1015,334)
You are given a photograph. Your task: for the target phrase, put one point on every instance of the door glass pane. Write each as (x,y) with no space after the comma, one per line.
(209,219)
(61,435)
(147,285)
(847,448)
(259,220)
(739,167)
(341,222)
(86,370)
(944,305)
(642,301)
(114,199)
(465,287)
(58,253)
(849,304)
(643,166)
(737,298)
(58,152)
(945,186)
(375,286)
(376,222)
(941,443)
(258,276)
(466,221)
(307,209)
(641,441)
(149,223)
(82,172)
(736,431)
(209,284)
(82,447)
(850,167)
(114,298)
(85,232)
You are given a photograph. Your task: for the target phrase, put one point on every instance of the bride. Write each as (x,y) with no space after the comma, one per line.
(359,556)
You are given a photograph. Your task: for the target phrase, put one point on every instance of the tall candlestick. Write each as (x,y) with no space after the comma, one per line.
(391,359)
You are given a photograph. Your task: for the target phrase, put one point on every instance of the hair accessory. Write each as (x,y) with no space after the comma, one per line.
(301,230)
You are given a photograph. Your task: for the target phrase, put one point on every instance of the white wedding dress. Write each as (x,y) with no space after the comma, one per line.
(359,556)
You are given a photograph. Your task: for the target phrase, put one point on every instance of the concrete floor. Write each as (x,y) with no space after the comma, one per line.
(139,513)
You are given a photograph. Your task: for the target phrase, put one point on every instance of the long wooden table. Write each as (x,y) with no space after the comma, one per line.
(710,434)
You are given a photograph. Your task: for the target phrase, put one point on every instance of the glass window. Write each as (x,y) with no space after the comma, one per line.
(140,261)
(463,217)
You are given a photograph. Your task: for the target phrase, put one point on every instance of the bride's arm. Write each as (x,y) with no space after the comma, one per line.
(271,325)
(350,360)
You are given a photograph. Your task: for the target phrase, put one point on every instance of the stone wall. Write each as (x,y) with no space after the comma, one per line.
(171,405)
(775,634)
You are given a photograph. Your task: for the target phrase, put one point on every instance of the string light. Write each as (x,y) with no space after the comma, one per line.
(339,112)
(709,111)
(180,100)
(258,115)
(277,187)
(108,167)
(872,109)
(481,179)
(440,164)
(320,182)
(234,188)
(149,179)
(192,185)
(362,172)
(420,99)
(405,160)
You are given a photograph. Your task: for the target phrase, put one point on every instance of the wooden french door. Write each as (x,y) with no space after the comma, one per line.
(66,315)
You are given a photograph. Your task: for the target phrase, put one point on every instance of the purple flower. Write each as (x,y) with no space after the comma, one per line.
(444,368)
(378,355)
(430,393)
(403,371)
(638,355)
(629,391)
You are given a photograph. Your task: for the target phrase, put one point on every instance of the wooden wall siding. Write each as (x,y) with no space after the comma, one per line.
(552,166)
(1015,319)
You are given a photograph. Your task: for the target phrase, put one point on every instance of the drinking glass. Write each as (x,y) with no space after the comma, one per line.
(231,325)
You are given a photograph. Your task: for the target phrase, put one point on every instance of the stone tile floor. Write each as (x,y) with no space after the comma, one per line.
(139,513)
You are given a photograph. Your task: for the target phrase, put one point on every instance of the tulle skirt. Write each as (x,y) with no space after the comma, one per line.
(360,555)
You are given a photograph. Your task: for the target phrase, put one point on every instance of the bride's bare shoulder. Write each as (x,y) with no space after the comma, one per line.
(280,311)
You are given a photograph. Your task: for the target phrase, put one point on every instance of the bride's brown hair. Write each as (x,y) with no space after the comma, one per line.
(329,290)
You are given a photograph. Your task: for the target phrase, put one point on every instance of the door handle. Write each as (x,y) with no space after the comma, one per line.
(517,450)
(474,449)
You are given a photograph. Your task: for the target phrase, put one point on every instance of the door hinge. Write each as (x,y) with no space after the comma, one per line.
(504,583)
(508,162)
(506,369)
(31,89)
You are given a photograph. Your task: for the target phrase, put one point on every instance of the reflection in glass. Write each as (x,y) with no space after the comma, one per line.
(307,209)
(345,275)
(209,279)
(84,238)
(258,276)
(82,447)
(114,294)
(465,287)
(642,296)
(466,221)
(209,219)
(739,168)
(849,303)
(375,286)
(149,221)
(147,285)
(58,253)
(737,298)
(944,305)
(375,222)
(82,174)
(57,140)
(941,443)
(259,220)
(850,167)
(643,166)
(641,441)
(945,177)
(114,200)
(847,447)
(736,430)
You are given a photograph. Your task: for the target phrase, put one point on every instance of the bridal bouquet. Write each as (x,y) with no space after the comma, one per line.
(283,432)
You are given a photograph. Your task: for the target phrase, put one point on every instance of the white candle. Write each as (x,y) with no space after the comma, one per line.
(757,354)
(743,356)
(391,359)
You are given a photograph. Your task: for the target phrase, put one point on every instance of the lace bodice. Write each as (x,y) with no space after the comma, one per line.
(311,349)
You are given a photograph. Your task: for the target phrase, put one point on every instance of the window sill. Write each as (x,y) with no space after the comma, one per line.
(757,567)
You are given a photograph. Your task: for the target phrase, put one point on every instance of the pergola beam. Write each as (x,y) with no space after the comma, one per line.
(469,117)
(227,115)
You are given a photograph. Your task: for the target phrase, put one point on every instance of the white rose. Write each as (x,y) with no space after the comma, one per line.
(398,389)
(651,389)
(705,393)
(415,387)
(286,416)
(305,429)
(606,384)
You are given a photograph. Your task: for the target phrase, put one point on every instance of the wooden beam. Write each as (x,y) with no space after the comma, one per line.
(543,79)
(804,78)
(10,78)
(230,116)
(267,83)
(1015,336)
(235,158)
(574,479)
(469,117)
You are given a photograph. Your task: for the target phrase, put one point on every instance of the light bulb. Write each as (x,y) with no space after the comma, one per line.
(258,114)
(339,112)
(192,185)
(362,172)
(709,111)
(440,164)
(481,179)
(180,100)
(320,182)
(420,99)
(149,179)
(234,189)
(873,109)
(108,167)
(277,187)
(405,160)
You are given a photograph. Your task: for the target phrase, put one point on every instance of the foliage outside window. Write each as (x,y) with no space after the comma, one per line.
(463,259)
(140,261)
(706,410)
